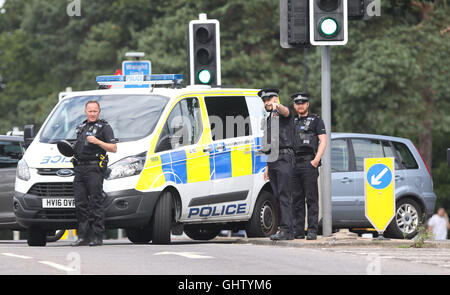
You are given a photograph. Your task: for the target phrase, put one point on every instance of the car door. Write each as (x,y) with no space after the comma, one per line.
(232,148)
(10,154)
(342,182)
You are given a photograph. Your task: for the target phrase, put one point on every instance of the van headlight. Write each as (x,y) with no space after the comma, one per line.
(23,172)
(126,167)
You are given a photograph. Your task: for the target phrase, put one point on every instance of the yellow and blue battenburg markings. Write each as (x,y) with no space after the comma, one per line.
(185,166)
(204,161)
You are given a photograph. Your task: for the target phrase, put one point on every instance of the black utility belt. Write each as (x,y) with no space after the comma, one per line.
(304,157)
(91,162)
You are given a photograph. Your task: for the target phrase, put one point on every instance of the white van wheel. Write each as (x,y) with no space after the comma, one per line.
(264,220)
(141,235)
(162,219)
(36,237)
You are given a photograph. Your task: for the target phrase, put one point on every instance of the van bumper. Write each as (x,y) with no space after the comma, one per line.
(123,209)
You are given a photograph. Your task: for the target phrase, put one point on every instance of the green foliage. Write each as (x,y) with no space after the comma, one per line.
(391,78)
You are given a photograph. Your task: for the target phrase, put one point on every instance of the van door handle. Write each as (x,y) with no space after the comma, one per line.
(346,180)
(220,147)
(207,149)
(398,178)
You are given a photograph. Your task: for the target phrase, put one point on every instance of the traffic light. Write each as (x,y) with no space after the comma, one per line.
(204,51)
(294,23)
(328,22)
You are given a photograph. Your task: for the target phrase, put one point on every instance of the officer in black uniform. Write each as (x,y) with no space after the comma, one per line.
(94,138)
(309,145)
(277,143)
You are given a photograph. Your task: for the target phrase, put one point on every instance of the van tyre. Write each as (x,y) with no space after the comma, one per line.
(162,219)
(142,235)
(36,237)
(201,234)
(264,220)
(408,217)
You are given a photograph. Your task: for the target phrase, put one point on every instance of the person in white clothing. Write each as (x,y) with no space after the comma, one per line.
(438,225)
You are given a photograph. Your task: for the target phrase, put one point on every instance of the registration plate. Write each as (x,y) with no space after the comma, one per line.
(58,203)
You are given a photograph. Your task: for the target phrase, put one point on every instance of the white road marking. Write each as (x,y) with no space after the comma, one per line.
(17,256)
(191,255)
(57,266)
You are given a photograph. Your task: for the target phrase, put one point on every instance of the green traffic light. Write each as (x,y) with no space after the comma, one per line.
(328,27)
(204,76)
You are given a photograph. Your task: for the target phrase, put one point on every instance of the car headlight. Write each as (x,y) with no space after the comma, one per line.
(126,167)
(23,172)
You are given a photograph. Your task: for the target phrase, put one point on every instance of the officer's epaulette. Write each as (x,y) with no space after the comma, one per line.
(314,115)
(103,121)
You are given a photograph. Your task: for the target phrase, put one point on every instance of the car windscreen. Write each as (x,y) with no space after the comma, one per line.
(132,117)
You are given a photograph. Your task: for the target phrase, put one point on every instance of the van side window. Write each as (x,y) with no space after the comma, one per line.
(366,148)
(339,155)
(407,158)
(228,117)
(183,126)
(10,154)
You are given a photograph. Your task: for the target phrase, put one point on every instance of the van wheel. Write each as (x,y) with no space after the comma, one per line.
(201,234)
(36,237)
(142,235)
(264,220)
(408,217)
(162,219)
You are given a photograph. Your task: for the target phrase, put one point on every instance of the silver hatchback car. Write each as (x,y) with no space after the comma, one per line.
(415,199)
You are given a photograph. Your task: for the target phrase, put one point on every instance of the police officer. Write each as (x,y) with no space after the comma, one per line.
(94,138)
(309,145)
(277,143)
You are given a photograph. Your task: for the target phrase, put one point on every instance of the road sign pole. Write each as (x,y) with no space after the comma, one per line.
(326,163)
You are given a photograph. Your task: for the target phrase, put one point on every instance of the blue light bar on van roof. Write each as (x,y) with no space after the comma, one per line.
(140,79)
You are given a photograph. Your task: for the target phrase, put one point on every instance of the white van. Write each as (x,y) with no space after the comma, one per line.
(158,182)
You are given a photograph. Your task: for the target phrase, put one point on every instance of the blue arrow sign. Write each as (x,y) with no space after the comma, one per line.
(379,176)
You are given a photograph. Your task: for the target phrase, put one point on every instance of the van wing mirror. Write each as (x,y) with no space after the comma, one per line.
(28,134)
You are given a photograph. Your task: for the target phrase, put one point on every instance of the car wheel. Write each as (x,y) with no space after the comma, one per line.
(162,219)
(36,237)
(407,219)
(264,220)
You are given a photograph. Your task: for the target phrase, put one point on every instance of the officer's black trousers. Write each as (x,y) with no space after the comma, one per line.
(304,187)
(280,173)
(88,188)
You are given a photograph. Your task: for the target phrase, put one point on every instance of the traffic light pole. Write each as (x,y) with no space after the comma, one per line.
(326,163)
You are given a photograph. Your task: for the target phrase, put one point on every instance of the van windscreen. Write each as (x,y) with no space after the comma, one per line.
(132,117)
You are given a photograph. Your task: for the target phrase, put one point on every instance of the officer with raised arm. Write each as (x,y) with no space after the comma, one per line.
(309,145)
(277,143)
(95,137)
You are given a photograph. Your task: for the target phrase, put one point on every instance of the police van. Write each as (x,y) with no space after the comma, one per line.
(188,159)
